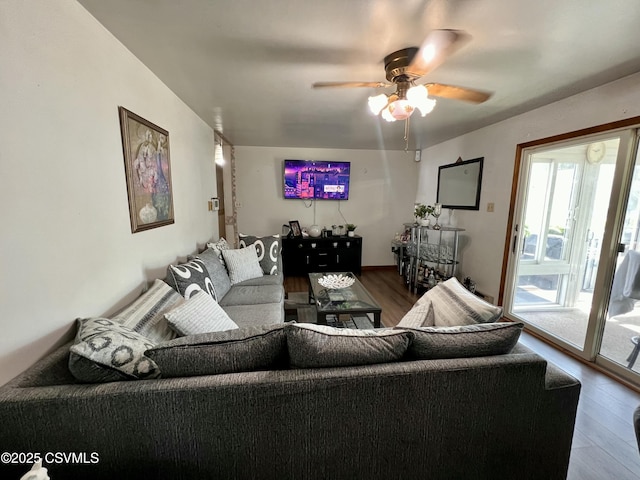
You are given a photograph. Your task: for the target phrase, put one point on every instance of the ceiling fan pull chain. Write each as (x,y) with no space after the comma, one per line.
(406,134)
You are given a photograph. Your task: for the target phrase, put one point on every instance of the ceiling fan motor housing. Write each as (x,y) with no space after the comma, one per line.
(396,63)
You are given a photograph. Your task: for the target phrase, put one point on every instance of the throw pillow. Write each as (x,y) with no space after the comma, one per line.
(241,350)
(189,278)
(421,315)
(242,264)
(217,272)
(199,314)
(219,247)
(106,351)
(268,250)
(145,315)
(464,341)
(455,305)
(312,346)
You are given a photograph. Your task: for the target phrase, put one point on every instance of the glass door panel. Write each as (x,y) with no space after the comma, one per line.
(561,229)
(622,325)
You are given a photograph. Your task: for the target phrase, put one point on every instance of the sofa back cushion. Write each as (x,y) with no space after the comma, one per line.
(464,341)
(312,346)
(106,351)
(241,350)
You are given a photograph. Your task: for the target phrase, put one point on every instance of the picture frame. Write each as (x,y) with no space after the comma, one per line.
(147,165)
(295,228)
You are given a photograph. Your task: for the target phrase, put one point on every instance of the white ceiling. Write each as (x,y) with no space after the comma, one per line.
(246,66)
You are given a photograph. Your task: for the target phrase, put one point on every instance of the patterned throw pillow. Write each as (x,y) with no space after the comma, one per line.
(217,272)
(189,278)
(219,247)
(145,314)
(455,305)
(268,250)
(464,341)
(199,314)
(313,346)
(246,349)
(242,264)
(106,351)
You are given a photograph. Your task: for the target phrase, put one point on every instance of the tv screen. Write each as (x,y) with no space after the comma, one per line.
(310,180)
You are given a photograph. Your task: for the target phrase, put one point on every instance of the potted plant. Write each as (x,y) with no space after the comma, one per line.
(351,229)
(422,212)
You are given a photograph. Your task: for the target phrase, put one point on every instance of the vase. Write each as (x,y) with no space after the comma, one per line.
(351,233)
(424,222)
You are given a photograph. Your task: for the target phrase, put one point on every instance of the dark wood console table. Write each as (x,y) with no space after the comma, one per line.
(302,255)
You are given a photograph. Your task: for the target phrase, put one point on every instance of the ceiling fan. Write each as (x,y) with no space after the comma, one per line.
(406,66)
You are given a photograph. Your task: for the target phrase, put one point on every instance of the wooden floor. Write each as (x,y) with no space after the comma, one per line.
(604,443)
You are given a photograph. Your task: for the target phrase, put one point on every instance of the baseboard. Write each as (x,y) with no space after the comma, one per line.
(379,267)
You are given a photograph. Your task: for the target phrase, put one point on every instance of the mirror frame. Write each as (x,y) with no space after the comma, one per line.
(445,182)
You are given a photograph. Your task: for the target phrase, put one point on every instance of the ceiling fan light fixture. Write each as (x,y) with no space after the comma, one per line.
(377,103)
(401,109)
(417,94)
(426,106)
(386,114)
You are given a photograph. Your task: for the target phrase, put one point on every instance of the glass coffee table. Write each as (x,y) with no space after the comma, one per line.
(354,300)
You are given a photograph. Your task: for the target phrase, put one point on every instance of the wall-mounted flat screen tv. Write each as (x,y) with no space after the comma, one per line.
(321,180)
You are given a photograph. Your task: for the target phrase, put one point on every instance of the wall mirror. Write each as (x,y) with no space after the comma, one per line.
(459,184)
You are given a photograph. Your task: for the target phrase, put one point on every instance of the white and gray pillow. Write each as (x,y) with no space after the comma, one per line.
(268,250)
(421,315)
(463,341)
(242,264)
(217,272)
(455,305)
(313,346)
(246,349)
(145,314)
(106,351)
(199,314)
(188,278)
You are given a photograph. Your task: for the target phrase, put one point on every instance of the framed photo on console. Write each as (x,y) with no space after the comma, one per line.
(295,228)
(147,167)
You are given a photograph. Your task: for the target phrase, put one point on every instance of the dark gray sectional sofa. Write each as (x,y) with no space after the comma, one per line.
(493,417)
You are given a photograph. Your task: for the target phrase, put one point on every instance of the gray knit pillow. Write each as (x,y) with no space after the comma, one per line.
(246,349)
(463,341)
(199,314)
(312,346)
(242,264)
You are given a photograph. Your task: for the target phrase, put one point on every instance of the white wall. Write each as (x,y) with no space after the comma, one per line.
(382,193)
(484,239)
(66,246)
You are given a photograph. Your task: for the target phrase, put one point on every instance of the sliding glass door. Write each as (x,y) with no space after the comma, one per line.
(575,226)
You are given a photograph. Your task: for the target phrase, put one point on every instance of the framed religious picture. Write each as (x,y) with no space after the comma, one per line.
(147,167)
(295,228)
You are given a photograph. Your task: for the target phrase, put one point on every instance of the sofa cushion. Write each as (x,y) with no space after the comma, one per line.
(268,249)
(190,277)
(242,264)
(106,351)
(312,346)
(241,350)
(463,341)
(217,272)
(261,314)
(455,305)
(145,315)
(264,280)
(253,295)
(218,247)
(421,315)
(199,314)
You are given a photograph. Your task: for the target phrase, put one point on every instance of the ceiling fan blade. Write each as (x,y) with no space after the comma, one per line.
(438,45)
(457,93)
(351,84)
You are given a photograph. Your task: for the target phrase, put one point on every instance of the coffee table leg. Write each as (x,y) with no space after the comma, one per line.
(376,320)
(321,318)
